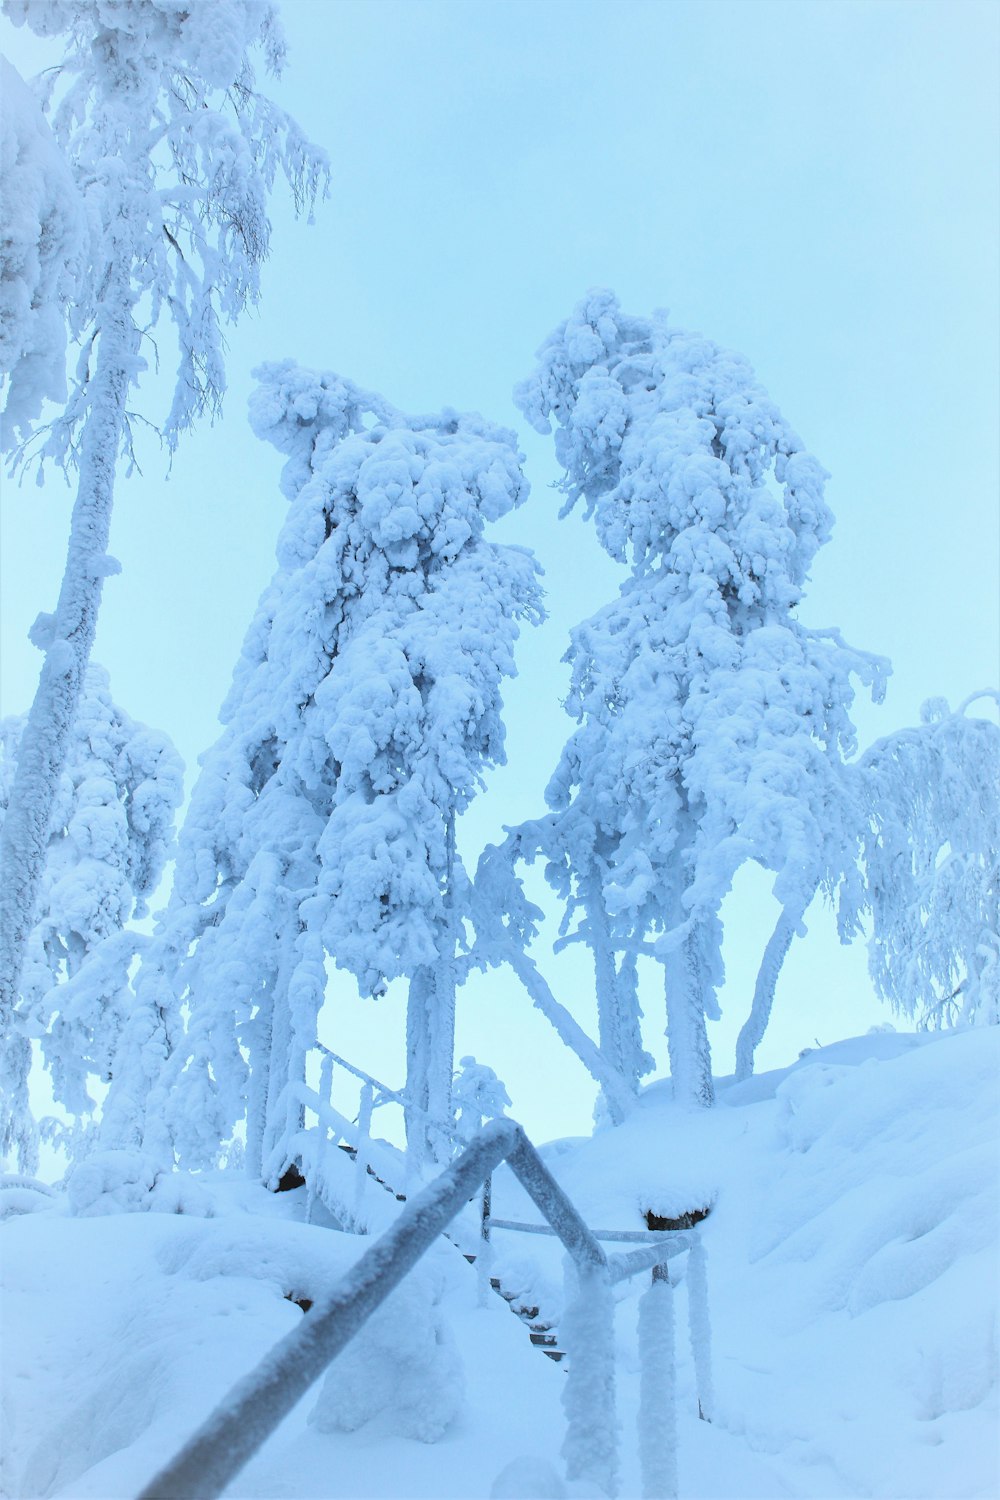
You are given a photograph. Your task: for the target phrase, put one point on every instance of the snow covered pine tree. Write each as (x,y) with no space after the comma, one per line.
(168,156)
(712,723)
(363,712)
(110,835)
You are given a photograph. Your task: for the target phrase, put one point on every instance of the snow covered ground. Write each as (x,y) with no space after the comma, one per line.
(852,1271)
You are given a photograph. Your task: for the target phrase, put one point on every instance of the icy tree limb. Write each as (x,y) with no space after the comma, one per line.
(569,1031)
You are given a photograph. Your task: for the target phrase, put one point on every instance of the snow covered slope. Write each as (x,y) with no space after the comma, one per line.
(852,1271)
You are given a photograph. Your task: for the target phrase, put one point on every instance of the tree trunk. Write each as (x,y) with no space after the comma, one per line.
(686,979)
(617,1027)
(42,751)
(755,1025)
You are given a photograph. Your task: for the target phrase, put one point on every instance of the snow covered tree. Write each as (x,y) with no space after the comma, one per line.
(111,831)
(364,709)
(712,723)
(930,856)
(478,1095)
(171,151)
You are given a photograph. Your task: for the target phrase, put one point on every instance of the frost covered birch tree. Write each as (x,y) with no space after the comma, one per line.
(169,152)
(712,722)
(364,710)
(930,856)
(111,831)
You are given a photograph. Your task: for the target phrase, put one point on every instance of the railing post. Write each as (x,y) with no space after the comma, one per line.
(590,1447)
(657,1393)
(361,1154)
(484,1258)
(700,1329)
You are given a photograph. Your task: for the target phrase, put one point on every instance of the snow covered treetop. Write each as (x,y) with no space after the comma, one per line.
(412,488)
(678,451)
(173,153)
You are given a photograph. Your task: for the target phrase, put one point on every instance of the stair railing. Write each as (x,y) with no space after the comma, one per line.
(657,1417)
(332,1127)
(255,1406)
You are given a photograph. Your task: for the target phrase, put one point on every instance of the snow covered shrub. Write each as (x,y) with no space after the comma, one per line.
(712,723)
(403,1368)
(109,838)
(114,1182)
(110,1182)
(364,710)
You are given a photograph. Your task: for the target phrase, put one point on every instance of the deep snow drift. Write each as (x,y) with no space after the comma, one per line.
(852,1272)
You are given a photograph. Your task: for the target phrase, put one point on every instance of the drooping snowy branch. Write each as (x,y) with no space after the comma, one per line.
(931,861)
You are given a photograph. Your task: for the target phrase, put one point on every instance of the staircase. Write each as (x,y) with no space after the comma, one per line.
(539,1332)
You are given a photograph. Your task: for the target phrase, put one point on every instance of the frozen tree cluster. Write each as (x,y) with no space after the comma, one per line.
(110,835)
(712,727)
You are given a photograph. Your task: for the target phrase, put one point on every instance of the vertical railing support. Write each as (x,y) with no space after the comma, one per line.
(484,1257)
(657,1390)
(361,1155)
(590,1447)
(700,1328)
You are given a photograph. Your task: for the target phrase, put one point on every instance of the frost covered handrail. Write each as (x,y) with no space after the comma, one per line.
(644,1236)
(246,1417)
(389,1095)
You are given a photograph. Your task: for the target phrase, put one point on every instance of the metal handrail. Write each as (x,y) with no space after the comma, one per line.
(255,1406)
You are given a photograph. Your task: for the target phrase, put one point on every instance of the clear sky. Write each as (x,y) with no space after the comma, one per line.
(814,184)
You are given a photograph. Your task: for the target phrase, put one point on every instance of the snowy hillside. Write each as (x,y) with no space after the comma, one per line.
(852,1284)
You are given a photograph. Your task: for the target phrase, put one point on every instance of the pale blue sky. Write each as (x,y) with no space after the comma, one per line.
(813,184)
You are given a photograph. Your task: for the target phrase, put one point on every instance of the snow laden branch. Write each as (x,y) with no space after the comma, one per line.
(930,855)
(712,725)
(505,922)
(364,711)
(153,184)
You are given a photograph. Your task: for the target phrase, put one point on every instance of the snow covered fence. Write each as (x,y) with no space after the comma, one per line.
(251,1411)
